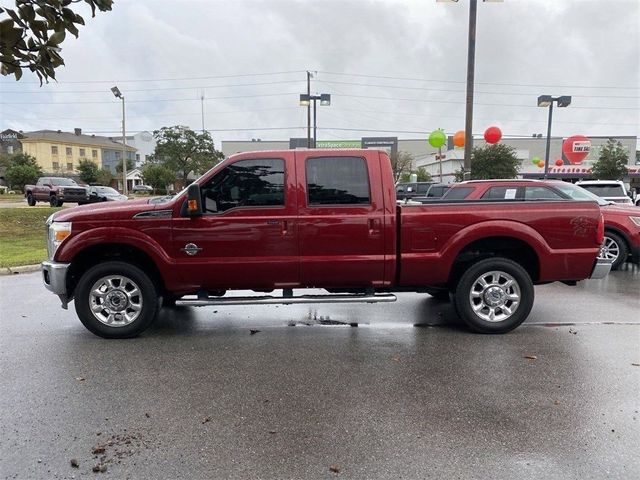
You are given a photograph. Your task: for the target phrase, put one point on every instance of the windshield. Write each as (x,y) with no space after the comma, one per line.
(107,191)
(579,193)
(63,182)
(605,190)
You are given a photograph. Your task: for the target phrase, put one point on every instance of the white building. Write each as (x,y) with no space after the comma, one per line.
(144,143)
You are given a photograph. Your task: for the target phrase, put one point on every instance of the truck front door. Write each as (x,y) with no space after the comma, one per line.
(246,237)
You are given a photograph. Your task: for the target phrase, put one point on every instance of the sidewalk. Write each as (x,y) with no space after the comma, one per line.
(20,269)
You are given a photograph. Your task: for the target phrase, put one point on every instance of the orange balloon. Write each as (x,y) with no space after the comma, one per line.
(458,138)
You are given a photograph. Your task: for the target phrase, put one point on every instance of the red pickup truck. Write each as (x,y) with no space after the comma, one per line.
(299,219)
(55,191)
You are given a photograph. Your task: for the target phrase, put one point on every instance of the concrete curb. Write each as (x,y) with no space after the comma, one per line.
(21,269)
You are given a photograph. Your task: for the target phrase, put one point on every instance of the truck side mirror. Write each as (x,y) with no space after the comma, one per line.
(193,206)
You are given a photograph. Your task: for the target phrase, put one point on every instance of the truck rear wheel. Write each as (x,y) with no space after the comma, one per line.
(494,296)
(614,249)
(116,300)
(30,200)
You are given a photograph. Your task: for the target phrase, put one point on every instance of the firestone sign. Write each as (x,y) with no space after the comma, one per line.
(8,136)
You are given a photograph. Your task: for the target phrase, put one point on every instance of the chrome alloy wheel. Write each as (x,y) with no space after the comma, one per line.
(610,249)
(115,300)
(495,296)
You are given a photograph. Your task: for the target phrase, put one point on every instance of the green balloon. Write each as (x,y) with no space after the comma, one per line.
(437,138)
(535,160)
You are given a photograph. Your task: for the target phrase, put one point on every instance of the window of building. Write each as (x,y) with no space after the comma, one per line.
(94,153)
(137,157)
(82,152)
(54,150)
(69,166)
(69,151)
(56,166)
(246,183)
(10,149)
(118,155)
(337,181)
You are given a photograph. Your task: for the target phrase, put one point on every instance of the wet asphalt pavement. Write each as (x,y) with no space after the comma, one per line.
(407,394)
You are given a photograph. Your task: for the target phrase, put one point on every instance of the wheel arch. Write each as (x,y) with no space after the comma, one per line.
(511,248)
(105,252)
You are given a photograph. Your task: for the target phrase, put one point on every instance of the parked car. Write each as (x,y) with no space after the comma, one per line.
(435,191)
(298,219)
(622,222)
(142,189)
(99,193)
(610,190)
(408,190)
(55,191)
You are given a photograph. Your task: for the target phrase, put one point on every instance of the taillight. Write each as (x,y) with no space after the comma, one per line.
(600,231)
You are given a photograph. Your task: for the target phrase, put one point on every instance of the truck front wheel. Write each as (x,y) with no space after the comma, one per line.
(494,296)
(30,200)
(54,202)
(116,300)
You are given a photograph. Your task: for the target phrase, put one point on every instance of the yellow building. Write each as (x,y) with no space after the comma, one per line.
(60,152)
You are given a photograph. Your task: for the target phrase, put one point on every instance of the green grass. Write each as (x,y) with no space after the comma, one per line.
(23,235)
(14,198)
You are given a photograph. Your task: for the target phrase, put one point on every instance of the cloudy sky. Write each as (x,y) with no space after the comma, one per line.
(392,67)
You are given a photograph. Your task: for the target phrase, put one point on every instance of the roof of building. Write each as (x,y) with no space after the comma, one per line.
(70,137)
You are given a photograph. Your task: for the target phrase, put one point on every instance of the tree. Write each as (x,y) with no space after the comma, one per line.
(612,163)
(183,151)
(130,165)
(104,177)
(21,170)
(494,161)
(423,175)
(88,170)
(31,35)
(158,176)
(401,164)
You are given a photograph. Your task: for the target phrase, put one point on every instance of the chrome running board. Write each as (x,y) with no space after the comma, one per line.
(271,300)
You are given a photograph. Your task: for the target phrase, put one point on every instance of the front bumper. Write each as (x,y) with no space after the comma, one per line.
(601,269)
(54,276)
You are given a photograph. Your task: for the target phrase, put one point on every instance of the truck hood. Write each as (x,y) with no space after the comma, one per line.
(108,210)
(622,208)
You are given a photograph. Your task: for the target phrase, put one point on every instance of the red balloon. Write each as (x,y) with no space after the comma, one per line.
(559,162)
(492,135)
(576,148)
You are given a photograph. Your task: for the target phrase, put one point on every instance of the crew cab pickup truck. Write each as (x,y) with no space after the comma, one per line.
(296,219)
(55,191)
(621,221)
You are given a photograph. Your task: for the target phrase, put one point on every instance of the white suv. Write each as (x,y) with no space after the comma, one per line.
(611,190)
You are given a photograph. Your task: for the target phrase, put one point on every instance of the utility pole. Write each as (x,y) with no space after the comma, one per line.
(471,59)
(202,108)
(309,75)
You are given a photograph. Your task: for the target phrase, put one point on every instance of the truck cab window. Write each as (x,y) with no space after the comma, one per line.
(337,181)
(247,183)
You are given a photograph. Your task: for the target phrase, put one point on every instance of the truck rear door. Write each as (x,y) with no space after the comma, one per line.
(341,219)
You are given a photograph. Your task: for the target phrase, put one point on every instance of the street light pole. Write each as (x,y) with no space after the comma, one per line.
(471,60)
(305,101)
(547,101)
(546,153)
(118,94)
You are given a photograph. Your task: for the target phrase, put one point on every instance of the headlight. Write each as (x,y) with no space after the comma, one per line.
(635,220)
(58,231)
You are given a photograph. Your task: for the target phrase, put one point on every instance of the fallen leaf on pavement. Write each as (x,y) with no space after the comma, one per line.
(334,468)
(253,332)
(531,357)
(74,463)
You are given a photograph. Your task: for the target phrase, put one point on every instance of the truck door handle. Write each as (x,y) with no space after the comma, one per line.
(285,227)
(373,226)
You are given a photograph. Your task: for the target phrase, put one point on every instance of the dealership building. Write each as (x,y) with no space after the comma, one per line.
(451,158)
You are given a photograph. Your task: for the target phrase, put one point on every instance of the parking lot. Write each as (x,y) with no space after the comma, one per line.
(294,392)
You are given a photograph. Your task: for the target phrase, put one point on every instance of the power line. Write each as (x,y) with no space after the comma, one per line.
(280,82)
(617,87)
(208,77)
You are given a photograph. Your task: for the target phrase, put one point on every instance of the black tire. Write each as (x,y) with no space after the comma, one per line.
(127,290)
(53,201)
(614,248)
(30,200)
(487,293)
